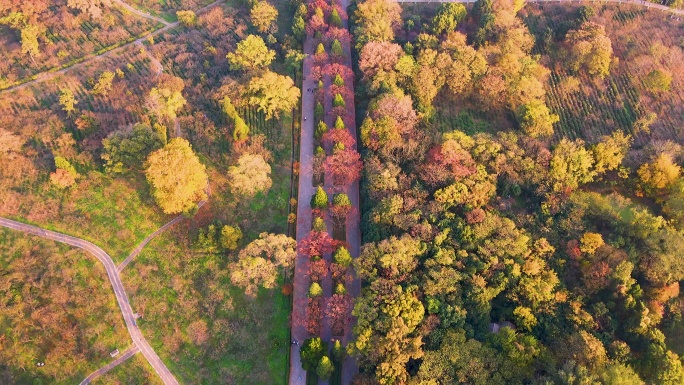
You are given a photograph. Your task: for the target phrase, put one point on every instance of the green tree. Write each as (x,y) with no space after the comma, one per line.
(447,18)
(311,352)
(338,101)
(165,102)
(104,83)
(376,20)
(263,16)
(321,129)
(325,368)
(336,48)
(658,80)
(273,94)
(335,20)
(230,237)
(619,374)
(251,54)
(536,119)
(590,49)
(610,151)
(125,150)
(342,257)
(177,177)
(571,165)
(67,100)
(187,18)
(258,262)
(320,199)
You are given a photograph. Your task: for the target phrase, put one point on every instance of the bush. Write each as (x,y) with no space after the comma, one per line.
(321,129)
(319,225)
(325,368)
(339,123)
(338,101)
(315,290)
(338,80)
(342,257)
(320,199)
(319,111)
(340,289)
(335,20)
(341,199)
(336,48)
(320,49)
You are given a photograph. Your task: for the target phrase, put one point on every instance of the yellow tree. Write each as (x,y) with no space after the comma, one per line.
(263,16)
(590,49)
(251,54)
(661,173)
(67,100)
(272,94)
(250,176)
(176,176)
(376,20)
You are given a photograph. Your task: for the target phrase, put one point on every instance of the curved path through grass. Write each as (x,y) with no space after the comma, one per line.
(121,297)
(127,354)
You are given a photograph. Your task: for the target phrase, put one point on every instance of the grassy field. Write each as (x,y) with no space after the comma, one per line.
(135,371)
(58,308)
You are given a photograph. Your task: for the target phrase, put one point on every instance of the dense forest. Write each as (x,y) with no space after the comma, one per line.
(503,245)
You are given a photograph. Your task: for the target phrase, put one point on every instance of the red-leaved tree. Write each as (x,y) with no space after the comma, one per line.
(344,166)
(318,270)
(317,243)
(337,309)
(339,69)
(334,33)
(337,135)
(314,316)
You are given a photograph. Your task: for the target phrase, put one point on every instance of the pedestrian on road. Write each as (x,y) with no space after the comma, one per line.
(305,118)
(295,342)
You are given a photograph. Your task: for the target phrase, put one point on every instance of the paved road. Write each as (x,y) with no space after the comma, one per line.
(119,291)
(300,282)
(87,59)
(141,13)
(126,355)
(635,2)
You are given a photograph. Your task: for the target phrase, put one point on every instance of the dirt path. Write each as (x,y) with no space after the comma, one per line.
(141,13)
(43,76)
(127,354)
(150,237)
(121,297)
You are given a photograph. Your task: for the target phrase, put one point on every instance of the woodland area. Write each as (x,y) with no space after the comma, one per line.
(520,172)
(513,234)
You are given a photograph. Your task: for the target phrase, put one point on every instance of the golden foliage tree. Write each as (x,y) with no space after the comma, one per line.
(176,176)
(273,94)
(263,16)
(251,175)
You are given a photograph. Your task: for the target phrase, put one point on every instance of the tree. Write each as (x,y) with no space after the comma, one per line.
(658,80)
(338,101)
(325,368)
(376,20)
(336,49)
(177,177)
(447,18)
(311,352)
(659,174)
(334,19)
(263,16)
(341,208)
(535,119)
(378,56)
(258,262)
(590,242)
(187,18)
(619,374)
(344,166)
(230,237)
(250,176)
(125,150)
(342,257)
(394,258)
(65,174)
(251,54)
(165,102)
(609,152)
(315,290)
(273,94)
(67,100)
(590,49)
(104,83)
(91,7)
(29,40)
(320,199)
(571,165)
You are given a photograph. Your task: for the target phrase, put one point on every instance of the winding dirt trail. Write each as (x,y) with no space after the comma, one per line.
(127,354)
(121,297)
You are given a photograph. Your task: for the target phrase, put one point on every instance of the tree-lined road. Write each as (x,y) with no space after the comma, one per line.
(119,291)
